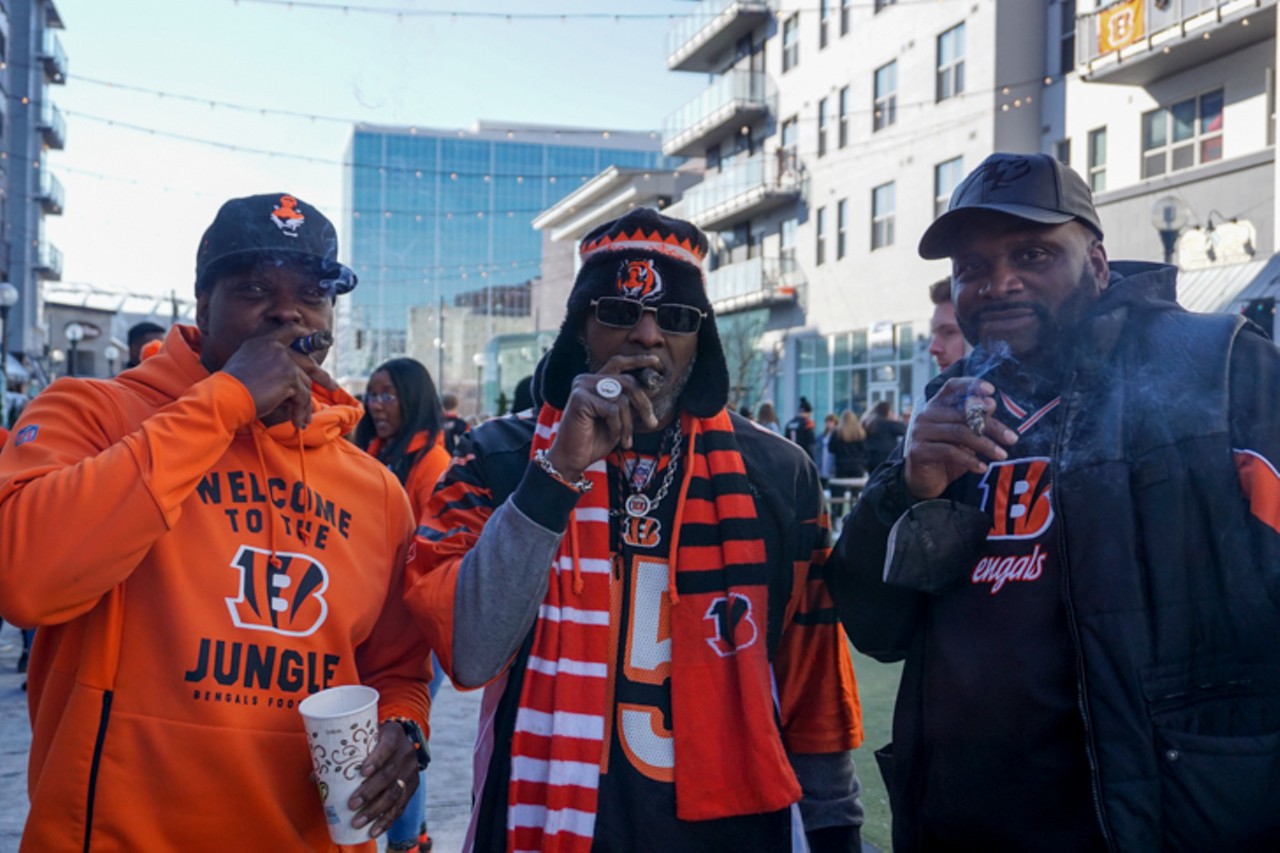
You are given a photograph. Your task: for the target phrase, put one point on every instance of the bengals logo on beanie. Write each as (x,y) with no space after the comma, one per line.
(639,279)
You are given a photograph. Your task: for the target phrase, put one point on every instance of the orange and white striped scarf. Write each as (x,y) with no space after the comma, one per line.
(729,754)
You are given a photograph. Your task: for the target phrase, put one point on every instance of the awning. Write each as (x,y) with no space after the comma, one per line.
(15,370)
(1227,288)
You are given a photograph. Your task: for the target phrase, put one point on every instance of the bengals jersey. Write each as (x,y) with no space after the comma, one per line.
(1004,740)
(816,710)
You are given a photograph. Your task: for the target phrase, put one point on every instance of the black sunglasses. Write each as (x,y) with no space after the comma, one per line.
(674,319)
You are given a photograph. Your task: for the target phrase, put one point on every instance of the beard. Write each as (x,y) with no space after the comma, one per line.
(1053,335)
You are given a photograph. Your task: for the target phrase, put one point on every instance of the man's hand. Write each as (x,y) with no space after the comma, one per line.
(941,446)
(279,378)
(592,425)
(391,777)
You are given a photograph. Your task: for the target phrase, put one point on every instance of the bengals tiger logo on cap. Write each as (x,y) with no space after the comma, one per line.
(639,279)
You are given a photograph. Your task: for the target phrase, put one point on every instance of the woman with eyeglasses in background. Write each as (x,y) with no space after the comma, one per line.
(403,428)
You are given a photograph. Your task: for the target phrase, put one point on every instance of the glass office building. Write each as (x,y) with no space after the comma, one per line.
(440,213)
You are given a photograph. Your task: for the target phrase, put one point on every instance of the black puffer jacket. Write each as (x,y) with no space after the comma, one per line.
(1164,482)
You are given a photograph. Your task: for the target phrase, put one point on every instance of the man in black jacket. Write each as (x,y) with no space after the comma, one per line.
(1076,549)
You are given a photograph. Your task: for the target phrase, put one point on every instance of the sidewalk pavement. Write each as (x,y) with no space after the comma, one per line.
(453,728)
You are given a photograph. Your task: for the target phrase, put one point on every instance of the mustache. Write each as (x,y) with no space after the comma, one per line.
(1040,311)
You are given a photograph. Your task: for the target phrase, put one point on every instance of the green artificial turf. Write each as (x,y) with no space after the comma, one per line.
(877,689)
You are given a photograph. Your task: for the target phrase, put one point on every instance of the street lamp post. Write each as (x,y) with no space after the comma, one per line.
(478,361)
(111,353)
(75,334)
(1169,216)
(8,298)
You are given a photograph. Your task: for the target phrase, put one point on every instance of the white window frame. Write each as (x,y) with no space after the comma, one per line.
(884,103)
(950,67)
(883,206)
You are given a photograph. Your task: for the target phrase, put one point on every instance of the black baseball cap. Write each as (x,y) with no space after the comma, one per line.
(1034,187)
(274,224)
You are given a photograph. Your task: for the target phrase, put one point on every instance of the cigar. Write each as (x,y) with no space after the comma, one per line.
(975,414)
(312,342)
(649,378)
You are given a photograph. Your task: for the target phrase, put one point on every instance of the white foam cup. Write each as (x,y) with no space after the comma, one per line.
(342,728)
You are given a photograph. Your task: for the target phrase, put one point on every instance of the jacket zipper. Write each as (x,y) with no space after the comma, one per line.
(93,768)
(1081,688)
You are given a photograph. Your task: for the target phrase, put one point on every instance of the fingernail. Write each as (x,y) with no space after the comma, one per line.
(360,821)
(375,833)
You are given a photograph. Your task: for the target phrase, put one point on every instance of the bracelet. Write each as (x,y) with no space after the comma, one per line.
(414,733)
(544,462)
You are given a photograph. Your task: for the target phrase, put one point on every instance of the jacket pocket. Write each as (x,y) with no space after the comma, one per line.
(1219,793)
(1217,744)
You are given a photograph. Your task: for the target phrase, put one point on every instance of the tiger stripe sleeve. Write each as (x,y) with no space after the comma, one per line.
(818,694)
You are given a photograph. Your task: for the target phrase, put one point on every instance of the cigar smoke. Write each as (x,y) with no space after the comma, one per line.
(312,342)
(983,361)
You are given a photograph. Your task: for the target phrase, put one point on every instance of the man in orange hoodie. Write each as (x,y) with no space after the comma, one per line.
(201,551)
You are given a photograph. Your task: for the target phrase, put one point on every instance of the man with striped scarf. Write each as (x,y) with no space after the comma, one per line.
(635,577)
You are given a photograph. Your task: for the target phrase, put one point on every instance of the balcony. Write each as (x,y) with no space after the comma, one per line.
(733,99)
(53,58)
(49,261)
(1113,45)
(698,39)
(53,127)
(51,195)
(754,283)
(745,189)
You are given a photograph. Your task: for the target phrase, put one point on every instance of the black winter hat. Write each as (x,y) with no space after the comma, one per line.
(274,224)
(655,259)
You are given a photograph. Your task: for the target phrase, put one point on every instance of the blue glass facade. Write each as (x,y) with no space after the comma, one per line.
(439,213)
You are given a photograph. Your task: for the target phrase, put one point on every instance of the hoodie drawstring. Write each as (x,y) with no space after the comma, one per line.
(273,560)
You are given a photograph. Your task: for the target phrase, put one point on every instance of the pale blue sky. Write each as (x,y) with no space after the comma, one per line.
(137,202)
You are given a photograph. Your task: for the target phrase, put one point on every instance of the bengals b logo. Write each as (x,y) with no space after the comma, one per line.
(286,598)
(639,280)
(641,532)
(735,629)
(1016,493)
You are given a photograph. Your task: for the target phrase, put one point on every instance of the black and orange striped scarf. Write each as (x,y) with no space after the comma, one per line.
(729,755)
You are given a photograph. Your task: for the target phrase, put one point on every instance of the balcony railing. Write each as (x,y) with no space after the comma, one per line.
(51,193)
(1138,43)
(696,40)
(49,261)
(733,98)
(753,283)
(744,189)
(53,126)
(53,57)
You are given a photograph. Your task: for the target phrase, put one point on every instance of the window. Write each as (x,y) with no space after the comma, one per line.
(790,127)
(1062,151)
(842,227)
(842,120)
(1067,37)
(951,63)
(714,163)
(880,4)
(822,127)
(824,10)
(791,42)
(1098,160)
(844,17)
(1183,135)
(884,109)
(820,233)
(787,239)
(945,177)
(882,216)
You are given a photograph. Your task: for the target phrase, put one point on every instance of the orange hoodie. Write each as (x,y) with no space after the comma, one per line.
(137,517)
(422,478)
